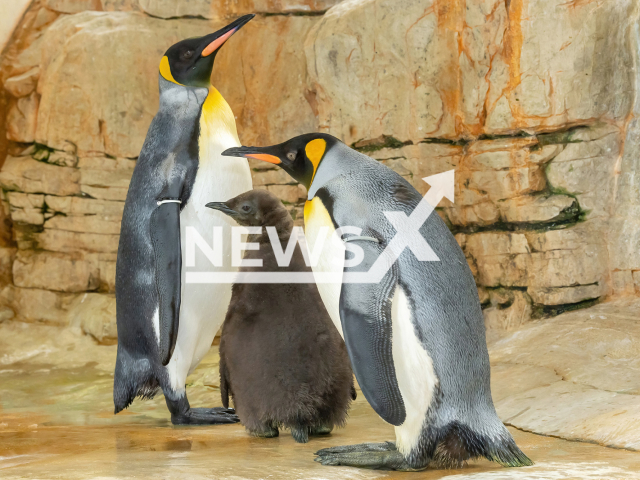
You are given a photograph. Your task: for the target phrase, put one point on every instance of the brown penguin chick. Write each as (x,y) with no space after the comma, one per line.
(281,358)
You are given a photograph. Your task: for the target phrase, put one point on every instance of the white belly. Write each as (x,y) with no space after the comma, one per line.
(204,306)
(414,373)
(318,228)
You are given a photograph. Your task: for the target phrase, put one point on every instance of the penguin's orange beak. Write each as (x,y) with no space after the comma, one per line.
(221,36)
(265,157)
(217,43)
(251,152)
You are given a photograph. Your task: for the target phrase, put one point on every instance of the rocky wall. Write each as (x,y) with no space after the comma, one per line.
(533,102)
(81,78)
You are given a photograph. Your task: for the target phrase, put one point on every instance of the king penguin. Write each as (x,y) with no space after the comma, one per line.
(165,325)
(416,338)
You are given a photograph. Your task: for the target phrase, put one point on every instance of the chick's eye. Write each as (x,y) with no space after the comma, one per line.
(246,208)
(291,156)
(188,54)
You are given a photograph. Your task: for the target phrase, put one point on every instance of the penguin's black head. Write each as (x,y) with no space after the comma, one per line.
(300,157)
(190,61)
(255,208)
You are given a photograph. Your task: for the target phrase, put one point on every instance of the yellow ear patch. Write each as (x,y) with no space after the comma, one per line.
(315,150)
(165,70)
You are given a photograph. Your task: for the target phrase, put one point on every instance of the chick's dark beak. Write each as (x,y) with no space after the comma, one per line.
(222,207)
(211,43)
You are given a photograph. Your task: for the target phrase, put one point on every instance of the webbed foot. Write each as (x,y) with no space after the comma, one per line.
(321,430)
(300,433)
(379,456)
(183,414)
(264,431)
(205,416)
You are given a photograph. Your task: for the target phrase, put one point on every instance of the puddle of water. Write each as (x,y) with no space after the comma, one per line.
(57,422)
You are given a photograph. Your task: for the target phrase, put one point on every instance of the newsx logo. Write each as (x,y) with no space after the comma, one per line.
(407,236)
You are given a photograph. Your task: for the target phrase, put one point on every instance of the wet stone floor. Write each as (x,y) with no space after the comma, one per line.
(57,422)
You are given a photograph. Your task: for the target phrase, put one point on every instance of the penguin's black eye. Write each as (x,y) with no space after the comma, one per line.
(246,208)
(291,156)
(187,55)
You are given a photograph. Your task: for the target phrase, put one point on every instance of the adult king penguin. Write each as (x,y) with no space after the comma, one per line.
(166,326)
(416,339)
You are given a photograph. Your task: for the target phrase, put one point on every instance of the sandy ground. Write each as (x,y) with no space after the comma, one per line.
(56,415)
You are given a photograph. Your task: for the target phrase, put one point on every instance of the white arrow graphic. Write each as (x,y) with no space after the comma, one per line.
(408,230)
(442,185)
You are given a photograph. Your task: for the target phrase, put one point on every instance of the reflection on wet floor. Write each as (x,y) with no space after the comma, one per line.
(56,421)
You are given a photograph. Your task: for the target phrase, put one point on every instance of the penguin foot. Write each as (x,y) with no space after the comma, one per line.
(379,456)
(265,431)
(300,433)
(205,416)
(321,429)
(360,447)
(183,414)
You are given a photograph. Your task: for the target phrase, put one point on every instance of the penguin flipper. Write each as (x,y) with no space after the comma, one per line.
(165,237)
(365,313)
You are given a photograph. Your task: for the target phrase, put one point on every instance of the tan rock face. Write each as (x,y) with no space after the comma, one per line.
(23,85)
(622,282)
(29,58)
(535,209)
(261,72)
(26,207)
(120,5)
(37,305)
(104,224)
(21,119)
(93,118)
(414,162)
(525,100)
(566,295)
(509,309)
(574,375)
(77,206)
(568,260)
(107,266)
(433,71)
(586,169)
(98,118)
(504,181)
(105,184)
(173,9)
(162,8)
(100,51)
(430,69)
(7,256)
(28,175)
(96,314)
(54,271)
(69,241)
(366,81)
(10,15)
(72,6)
(226,8)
